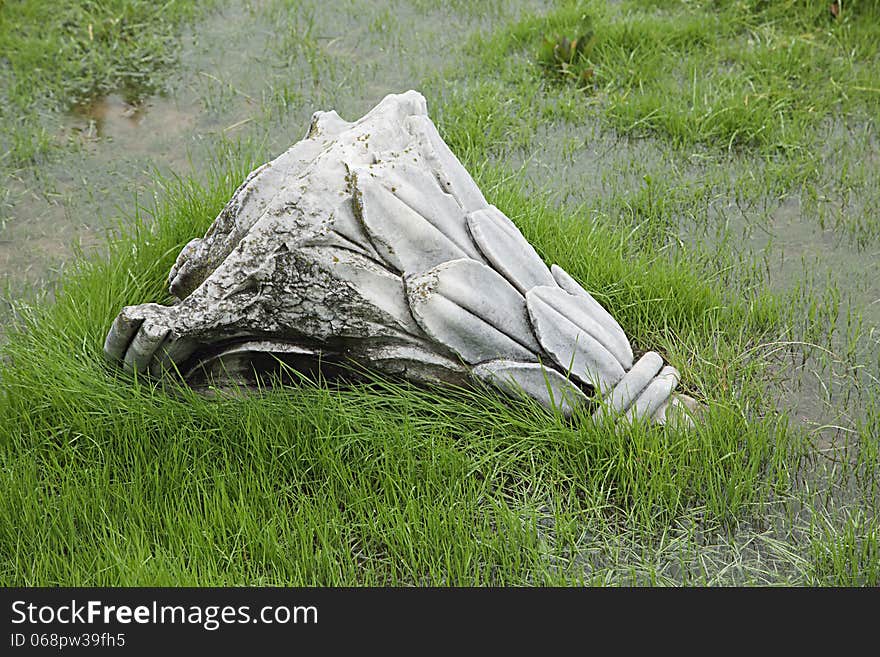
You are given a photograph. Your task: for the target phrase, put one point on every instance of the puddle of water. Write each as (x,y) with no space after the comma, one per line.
(70,204)
(137,128)
(108,115)
(587,166)
(793,245)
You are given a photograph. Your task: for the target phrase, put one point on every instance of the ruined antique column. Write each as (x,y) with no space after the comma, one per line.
(369,243)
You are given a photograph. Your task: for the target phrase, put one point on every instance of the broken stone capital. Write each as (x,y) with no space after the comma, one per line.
(369,243)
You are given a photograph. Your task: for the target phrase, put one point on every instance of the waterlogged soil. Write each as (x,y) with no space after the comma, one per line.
(795,238)
(249,73)
(803,242)
(69,204)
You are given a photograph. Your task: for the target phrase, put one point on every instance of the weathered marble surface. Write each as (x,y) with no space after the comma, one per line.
(367,242)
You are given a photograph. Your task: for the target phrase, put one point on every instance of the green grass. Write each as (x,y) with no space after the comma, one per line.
(55,55)
(728,74)
(106,480)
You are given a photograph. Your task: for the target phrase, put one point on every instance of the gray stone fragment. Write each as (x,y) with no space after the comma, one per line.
(136,334)
(145,344)
(678,411)
(418,188)
(533,380)
(403,237)
(655,394)
(633,382)
(417,364)
(500,218)
(171,356)
(473,310)
(574,350)
(380,288)
(121,333)
(453,177)
(594,308)
(368,245)
(508,251)
(580,311)
(248,204)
